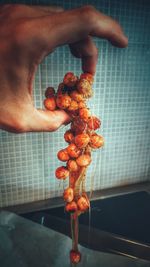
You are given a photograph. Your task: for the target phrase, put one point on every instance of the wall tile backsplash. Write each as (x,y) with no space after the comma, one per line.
(121,99)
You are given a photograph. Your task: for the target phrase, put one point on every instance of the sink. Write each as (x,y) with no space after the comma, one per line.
(118,224)
(25,243)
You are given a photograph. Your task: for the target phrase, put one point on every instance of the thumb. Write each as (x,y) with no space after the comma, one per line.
(46,121)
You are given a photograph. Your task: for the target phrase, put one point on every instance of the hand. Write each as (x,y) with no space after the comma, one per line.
(30,33)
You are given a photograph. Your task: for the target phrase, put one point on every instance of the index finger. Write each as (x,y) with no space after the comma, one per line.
(74,25)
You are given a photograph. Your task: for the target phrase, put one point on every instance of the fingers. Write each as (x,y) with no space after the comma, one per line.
(87,51)
(74,25)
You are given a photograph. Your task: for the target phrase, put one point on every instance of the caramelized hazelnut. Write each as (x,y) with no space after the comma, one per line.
(75,256)
(63,155)
(72,165)
(73,151)
(83,204)
(75,95)
(84,87)
(84,114)
(71,207)
(70,79)
(68,136)
(82,140)
(88,77)
(49,92)
(83,160)
(94,123)
(63,101)
(68,194)
(50,103)
(96,141)
(62,172)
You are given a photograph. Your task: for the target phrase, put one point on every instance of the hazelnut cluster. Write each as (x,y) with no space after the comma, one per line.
(81,138)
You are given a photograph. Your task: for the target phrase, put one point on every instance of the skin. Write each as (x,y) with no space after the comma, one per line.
(27,35)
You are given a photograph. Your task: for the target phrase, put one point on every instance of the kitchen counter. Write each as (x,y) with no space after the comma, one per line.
(26,244)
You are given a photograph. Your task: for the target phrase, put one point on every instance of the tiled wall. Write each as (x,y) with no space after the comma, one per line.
(121,99)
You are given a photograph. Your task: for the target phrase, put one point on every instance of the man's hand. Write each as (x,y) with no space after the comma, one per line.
(30,33)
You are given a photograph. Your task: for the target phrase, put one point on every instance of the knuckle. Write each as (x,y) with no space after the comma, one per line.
(88,13)
(88,8)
